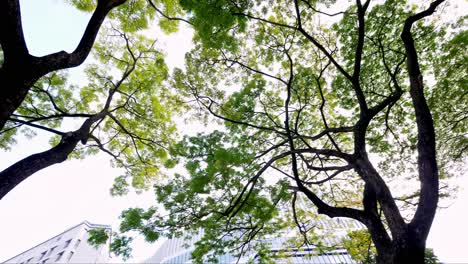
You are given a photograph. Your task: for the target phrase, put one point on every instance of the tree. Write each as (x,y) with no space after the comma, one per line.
(359,245)
(112,111)
(326,106)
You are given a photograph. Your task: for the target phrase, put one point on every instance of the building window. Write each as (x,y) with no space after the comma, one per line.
(70,256)
(58,238)
(29,260)
(51,250)
(43,255)
(44,261)
(77,243)
(59,256)
(67,243)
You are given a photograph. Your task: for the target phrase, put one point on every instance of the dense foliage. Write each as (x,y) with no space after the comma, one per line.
(124,108)
(320,106)
(311,108)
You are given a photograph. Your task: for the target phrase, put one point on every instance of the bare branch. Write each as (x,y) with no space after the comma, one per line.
(160,12)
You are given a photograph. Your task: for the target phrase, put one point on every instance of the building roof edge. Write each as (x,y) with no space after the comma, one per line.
(85,222)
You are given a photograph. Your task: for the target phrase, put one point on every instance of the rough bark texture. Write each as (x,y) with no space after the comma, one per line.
(409,249)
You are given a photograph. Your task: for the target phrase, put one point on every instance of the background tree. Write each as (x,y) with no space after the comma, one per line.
(324,106)
(34,95)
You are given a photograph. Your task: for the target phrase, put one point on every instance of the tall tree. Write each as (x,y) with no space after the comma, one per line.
(116,113)
(323,106)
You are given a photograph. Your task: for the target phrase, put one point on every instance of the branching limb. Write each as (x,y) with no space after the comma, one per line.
(427,163)
(11,31)
(161,13)
(62,59)
(21,70)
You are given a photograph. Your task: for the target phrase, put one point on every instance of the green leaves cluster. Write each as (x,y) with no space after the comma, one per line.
(213,21)
(98,236)
(360,247)
(136,15)
(270,89)
(250,66)
(128,84)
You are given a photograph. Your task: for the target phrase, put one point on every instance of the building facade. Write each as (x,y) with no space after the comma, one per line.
(178,250)
(70,246)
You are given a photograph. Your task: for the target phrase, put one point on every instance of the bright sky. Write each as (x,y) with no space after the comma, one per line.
(64,195)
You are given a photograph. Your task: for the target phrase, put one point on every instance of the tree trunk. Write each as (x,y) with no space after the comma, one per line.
(409,254)
(15,83)
(410,249)
(407,250)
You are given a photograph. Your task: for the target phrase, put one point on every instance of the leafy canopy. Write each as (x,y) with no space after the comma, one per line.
(288,98)
(124,96)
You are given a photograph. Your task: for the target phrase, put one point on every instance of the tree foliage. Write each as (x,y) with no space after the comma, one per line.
(359,246)
(120,110)
(357,113)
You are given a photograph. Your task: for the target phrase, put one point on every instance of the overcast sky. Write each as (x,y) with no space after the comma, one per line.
(64,195)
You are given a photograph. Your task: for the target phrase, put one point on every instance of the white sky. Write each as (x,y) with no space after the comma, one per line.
(65,194)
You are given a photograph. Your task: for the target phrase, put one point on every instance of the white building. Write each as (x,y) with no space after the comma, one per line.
(178,250)
(70,246)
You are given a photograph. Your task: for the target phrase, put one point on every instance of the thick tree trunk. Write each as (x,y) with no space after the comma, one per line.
(409,246)
(409,253)
(15,83)
(406,250)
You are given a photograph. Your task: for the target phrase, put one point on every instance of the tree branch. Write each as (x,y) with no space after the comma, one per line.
(427,163)
(62,59)
(166,16)
(21,170)
(11,32)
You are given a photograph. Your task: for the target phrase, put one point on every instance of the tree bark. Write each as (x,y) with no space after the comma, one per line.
(409,250)
(20,70)
(15,82)
(409,243)
(21,170)
(427,160)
